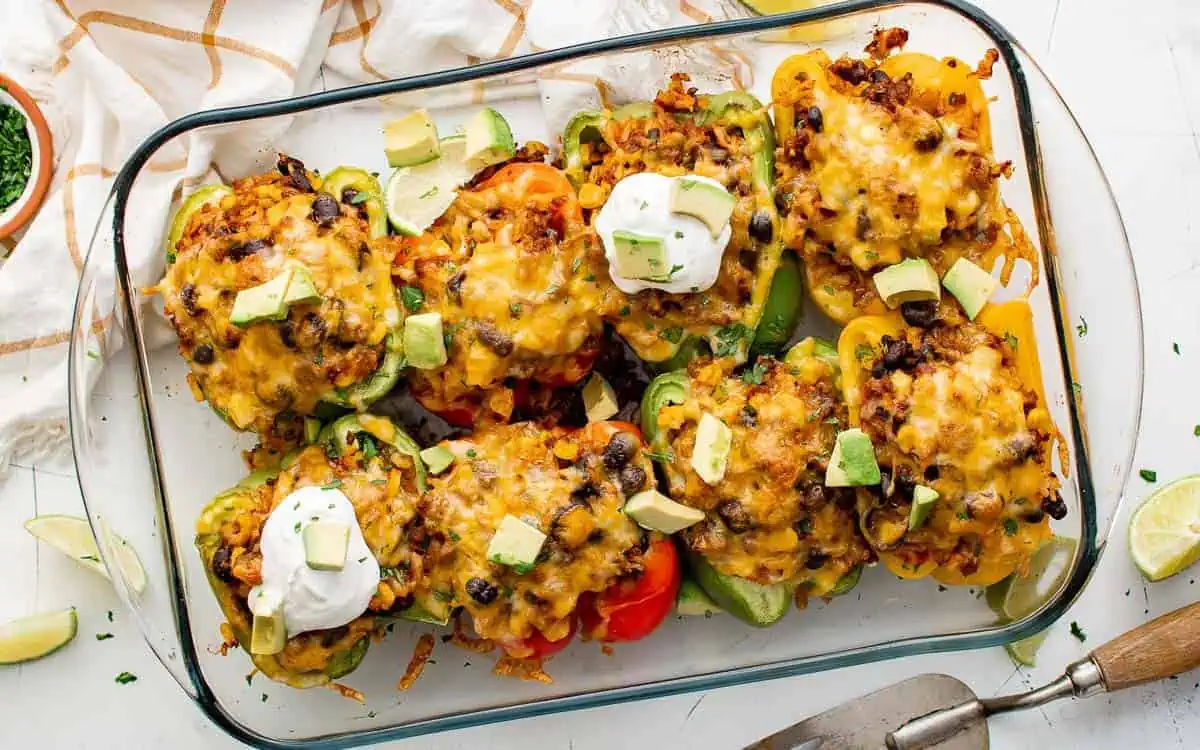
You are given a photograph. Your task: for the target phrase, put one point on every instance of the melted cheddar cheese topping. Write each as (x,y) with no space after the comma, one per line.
(576,502)
(382,490)
(770,519)
(955,416)
(251,374)
(672,142)
(883,161)
(519,282)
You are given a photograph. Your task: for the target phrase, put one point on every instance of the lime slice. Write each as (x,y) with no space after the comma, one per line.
(34,637)
(1020,595)
(1164,533)
(416,196)
(809,33)
(1024,651)
(73,537)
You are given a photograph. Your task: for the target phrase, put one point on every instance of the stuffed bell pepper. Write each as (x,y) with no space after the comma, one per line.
(537,543)
(679,191)
(745,459)
(504,288)
(281,295)
(886,158)
(954,408)
(304,559)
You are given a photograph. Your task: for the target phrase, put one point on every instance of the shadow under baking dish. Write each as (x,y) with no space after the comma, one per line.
(149,457)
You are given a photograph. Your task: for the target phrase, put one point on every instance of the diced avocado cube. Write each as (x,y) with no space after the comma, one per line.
(599,399)
(704,200)
(653,510)
(312,428)
(262,302)
(489,139)
(922,505)
(911,280)
(711,452)
(302,287)
(437,458)
(693,601)
(971,286)
(516,544)
(268,633)
(853,461)
(424,347)
(325,545)
(641,256)
(410,140)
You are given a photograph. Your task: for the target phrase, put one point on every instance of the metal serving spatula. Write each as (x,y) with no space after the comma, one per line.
(938,711)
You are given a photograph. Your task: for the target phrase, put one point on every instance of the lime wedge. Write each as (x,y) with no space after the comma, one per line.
(34,637)
(1024,651)
(72,536)
(416,196)
(809,33)
(1020,595)
(1164,533)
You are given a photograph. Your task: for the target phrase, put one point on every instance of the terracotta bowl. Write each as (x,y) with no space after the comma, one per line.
(19,214)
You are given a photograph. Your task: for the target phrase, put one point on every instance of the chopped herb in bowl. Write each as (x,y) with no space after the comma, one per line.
(16,155)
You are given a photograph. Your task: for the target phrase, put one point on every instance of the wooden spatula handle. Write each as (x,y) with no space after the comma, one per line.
(1159,649)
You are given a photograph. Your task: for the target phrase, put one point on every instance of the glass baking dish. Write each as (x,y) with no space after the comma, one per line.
(149,456)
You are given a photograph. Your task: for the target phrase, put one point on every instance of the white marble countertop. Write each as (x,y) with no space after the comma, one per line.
(1131,72)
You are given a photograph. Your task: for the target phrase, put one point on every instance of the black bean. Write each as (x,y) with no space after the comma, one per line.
(620,450)
(816,120)
(1033,515)
(222,564)
(187,295)
(718,155)
(482,591)
(1055,507)
(929,139)
(348,194)
(403,602)
(454,284)
(815,561)
(783,202)
(898,354)
(203,354)
(325,209)
(748,416)
(735,516)
(921,314)
(244,250)
(878,76)
(494,339)
(581,494)
(287,334)
(294,170)
(761,227)
(633,479)
(932,472)
(812,494)
(862,226)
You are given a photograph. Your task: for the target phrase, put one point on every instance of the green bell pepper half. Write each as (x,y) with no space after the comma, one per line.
(205,195)
(782,309)
(750,602)
(366,392)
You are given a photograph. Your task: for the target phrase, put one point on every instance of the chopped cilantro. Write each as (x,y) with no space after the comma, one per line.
(125,678)
(296,528)
(1196,430)
(624,311)
(678,235)
(672,334)
(514,309)
(1010,526)
(1078,631)
(89,558)
(471,453)
(674,270)
(332,485)
(754,375)
(863,351)
(1081,329)
(663,457)
(103,636)
(428,193)
(110,616)
(378,481)
(16,155)
(264,695)
(1148,475)
(728,339)
(360,197)
(453,536)
(1011,340)
(1174,347)
(412,297)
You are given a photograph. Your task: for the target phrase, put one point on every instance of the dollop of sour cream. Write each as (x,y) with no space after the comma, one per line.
(640,203)
(313,599)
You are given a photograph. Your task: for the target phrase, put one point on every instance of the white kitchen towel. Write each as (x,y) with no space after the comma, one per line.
(108,73)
